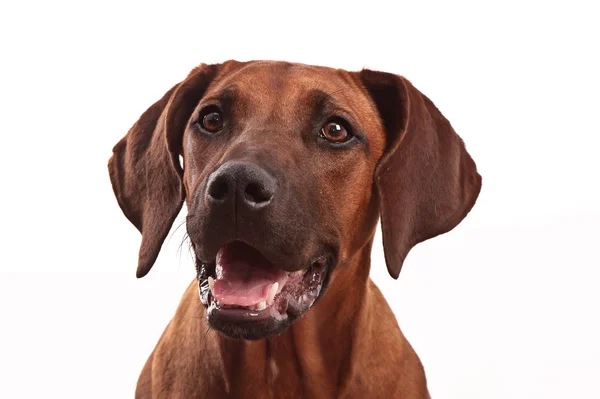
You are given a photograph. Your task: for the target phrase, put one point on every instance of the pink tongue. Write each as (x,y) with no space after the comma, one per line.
(244,276)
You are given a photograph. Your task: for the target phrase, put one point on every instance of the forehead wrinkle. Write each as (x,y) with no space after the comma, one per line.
(325,101)
(228,92)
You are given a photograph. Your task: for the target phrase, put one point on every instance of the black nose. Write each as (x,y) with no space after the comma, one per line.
(244,182)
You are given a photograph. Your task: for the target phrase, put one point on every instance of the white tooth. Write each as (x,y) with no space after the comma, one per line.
(272,293)
(211,283)
(261,305)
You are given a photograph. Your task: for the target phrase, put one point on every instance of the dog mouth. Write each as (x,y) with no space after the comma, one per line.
(249,297)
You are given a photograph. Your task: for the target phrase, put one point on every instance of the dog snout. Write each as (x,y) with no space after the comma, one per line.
(247,184)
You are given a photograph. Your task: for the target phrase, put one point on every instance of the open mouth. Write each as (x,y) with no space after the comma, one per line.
(249,297)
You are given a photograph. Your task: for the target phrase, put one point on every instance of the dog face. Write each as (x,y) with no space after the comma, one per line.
(278,169)
(286,168)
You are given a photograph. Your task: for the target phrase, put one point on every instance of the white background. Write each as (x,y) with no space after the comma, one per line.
(504,306)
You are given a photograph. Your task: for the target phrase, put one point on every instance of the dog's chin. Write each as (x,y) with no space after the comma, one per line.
(249,298)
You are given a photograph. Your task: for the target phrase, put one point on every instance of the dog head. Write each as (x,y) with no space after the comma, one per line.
(286,169)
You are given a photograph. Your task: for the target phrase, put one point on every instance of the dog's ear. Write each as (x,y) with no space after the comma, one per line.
(144,169)
(426,181)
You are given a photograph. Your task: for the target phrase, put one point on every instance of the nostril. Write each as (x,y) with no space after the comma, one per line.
(257,193)
(218,190)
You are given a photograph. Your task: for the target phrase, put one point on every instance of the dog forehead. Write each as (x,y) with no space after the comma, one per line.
(282,75)
(277,84)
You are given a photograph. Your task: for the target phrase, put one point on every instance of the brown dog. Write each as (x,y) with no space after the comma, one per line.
(286,170)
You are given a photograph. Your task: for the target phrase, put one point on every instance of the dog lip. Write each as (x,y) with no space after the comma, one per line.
(242,315)
(291,302)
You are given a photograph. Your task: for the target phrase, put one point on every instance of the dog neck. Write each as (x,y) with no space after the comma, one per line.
(315,355)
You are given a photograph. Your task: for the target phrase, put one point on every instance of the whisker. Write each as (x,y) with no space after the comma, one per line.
(181,223)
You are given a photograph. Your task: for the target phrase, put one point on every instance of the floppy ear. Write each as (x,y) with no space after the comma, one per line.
(426,181)
(144,169)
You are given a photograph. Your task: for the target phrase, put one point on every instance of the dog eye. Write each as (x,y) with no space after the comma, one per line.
(212,121)
(335,132)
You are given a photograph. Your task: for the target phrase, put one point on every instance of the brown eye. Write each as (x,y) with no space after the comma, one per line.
(335,132)
(212,122)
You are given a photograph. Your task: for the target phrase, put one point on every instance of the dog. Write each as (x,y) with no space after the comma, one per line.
(286,170)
